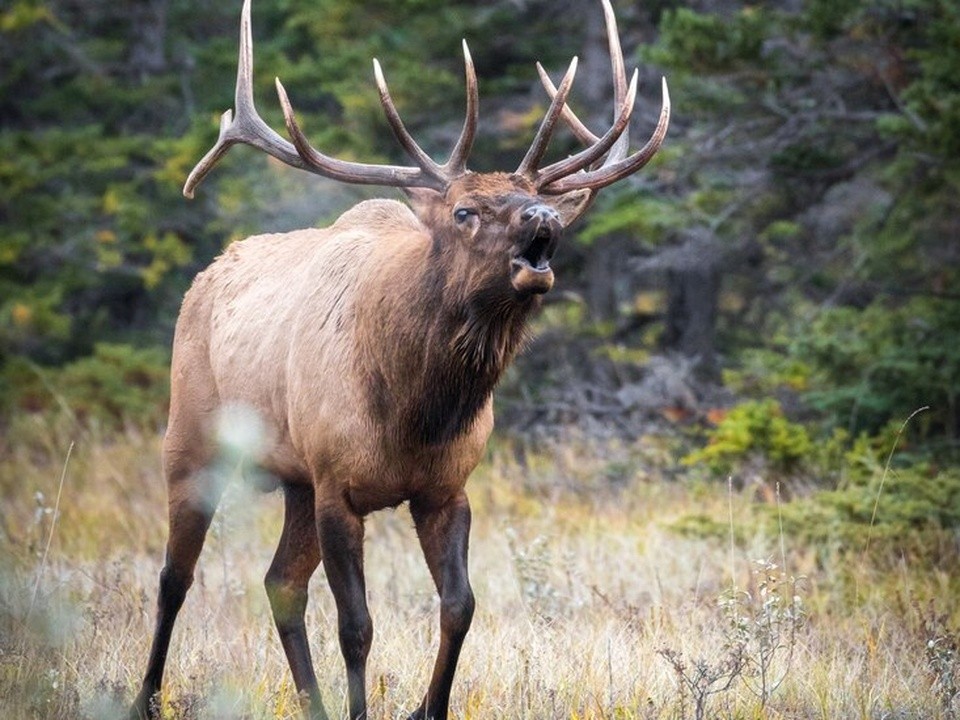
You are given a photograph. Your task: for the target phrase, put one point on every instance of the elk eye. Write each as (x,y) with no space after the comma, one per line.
(461,215)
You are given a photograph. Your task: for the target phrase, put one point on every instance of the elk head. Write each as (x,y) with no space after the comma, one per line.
(505,226)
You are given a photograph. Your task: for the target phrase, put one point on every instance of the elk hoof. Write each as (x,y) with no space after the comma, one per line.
(145,707)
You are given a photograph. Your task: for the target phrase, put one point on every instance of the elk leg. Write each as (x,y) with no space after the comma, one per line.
(340,531)
(297,556)
(193,501)
(444,536)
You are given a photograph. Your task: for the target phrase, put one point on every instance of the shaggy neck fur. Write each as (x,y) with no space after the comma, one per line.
(455,332)
(480,345)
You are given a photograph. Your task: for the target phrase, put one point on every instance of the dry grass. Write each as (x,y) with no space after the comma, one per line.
(579,580)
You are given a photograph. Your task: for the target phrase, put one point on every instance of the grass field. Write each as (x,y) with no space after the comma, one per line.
(590,603)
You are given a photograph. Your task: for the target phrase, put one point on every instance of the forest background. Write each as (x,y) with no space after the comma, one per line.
(773,297)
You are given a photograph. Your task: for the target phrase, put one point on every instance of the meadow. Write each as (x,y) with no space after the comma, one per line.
(593,601)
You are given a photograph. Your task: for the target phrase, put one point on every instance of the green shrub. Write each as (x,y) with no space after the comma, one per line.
(705,42)
(117,385)
(755,428)
(873,365)
(883,509)
(915,514)
(761,372)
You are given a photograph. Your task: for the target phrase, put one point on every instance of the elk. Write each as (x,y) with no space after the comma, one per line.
(370,350)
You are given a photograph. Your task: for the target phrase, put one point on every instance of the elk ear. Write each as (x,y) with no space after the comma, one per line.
(422,200)
(570,205)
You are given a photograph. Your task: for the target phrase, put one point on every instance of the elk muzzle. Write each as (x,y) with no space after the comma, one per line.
(530,271)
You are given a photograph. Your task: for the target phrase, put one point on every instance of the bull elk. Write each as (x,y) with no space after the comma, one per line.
(370,350)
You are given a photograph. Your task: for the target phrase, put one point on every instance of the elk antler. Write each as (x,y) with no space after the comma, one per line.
(596,150)
(560,178)
(248,127)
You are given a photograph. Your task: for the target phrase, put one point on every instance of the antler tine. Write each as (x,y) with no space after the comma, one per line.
(616,165)
(528,165)
(610,173)
(618,70)
(247,127)
(595,151)
(351,172)
(457,163)
(622,148)
(405,139)
(582,133)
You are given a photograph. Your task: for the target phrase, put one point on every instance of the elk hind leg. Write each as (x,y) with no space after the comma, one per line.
(296,558)
(194,493)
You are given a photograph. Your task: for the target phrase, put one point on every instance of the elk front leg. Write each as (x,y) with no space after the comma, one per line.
(444,536)
(340,531)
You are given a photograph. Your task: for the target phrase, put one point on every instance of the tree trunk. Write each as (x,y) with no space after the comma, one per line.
(604,265)
(692,272)
(148,34)
(692,294)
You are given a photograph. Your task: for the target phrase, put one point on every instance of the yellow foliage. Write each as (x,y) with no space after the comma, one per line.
(649,303)
(111,202)
(9,254)
(21,314)
(23,15)
(109,258)
(732,302)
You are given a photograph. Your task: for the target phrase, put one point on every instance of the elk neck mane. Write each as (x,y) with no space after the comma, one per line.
(450,337)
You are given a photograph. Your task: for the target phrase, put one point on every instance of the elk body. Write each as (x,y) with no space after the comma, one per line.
(369,350)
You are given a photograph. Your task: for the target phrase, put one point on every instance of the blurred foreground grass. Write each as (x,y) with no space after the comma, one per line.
(591,603)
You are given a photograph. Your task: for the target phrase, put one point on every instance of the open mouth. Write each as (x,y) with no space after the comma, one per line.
(531,273)
(536,255)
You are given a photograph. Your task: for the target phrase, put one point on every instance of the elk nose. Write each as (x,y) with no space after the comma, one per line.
(543,213)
